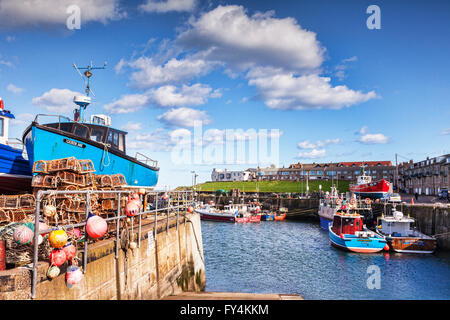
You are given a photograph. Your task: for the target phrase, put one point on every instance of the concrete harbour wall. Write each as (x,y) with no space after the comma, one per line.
(166,265)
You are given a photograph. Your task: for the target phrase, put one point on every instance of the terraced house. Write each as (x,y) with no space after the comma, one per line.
(426,177)
(328,171)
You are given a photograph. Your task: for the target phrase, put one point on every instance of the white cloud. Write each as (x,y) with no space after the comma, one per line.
(168,5)
(313,154)
(10,38)
(157,140)
(6,62)
(376,138)
(23,118)
(446,131)
(363,130)
(171,96)
(184,117)
(149,74)
(32,13)
(319,144)
(14,89)
(127,103)
(228,34)
(132,126)
(57,100)
(286,91)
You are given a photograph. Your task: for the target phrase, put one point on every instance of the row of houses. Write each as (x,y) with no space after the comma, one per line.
(424,177)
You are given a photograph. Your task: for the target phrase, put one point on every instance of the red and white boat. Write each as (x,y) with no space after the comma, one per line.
(366,188)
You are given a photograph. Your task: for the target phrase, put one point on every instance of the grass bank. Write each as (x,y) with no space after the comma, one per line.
(273,186)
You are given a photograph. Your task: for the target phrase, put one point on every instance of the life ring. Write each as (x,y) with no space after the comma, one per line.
(352,201)
(367,201)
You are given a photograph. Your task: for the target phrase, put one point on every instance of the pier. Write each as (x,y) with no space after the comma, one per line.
(166,259)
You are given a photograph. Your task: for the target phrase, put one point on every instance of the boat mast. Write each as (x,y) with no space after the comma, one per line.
(84,101)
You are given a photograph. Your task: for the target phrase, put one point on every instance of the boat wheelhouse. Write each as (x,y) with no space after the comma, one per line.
(349,233)
(401,237)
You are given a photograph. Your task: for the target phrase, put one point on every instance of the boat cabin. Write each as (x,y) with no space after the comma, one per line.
(5,115)
(364,179)
(396,225)
(103,134)
(344,223)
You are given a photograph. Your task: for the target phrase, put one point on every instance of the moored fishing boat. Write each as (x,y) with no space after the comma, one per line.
(401,237)
(267,215)
(366,188)
(349,233)
(328,207)
(95,140)
(280,214)
(209,212)
(15,169)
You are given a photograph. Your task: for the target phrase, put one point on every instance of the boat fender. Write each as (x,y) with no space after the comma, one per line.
(386,247)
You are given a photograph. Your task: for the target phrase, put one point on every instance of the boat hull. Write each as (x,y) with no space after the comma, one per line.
(267,217)
(212,216)
(44,144)
(376,190)
(325,223)
(326,216)
(280,217)
(411,244)
(15,171)
(356,244)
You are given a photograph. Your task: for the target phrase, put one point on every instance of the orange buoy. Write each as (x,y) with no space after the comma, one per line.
(57,238)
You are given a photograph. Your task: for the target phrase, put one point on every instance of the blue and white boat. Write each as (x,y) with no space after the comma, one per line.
(328,206)
(95,140)
(15,169)
(349,233)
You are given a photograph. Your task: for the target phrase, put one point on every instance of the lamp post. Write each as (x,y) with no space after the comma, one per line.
(194,180)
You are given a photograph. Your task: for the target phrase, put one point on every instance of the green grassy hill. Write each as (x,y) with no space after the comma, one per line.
(273,186)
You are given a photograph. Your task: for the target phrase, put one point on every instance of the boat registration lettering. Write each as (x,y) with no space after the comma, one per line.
(74,143)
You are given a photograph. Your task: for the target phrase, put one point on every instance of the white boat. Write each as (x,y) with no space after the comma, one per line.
(401,237)
(209,212)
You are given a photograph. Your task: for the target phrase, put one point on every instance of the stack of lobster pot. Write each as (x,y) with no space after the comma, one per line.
(73,174)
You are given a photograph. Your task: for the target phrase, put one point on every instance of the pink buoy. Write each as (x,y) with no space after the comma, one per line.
(96,226)
(70,251)
(23,234)
(57,257)
(133,206)
(74,275)
(75,233)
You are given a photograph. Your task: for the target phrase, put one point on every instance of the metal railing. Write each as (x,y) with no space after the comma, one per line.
(182,199)
(146,160)
(36,119)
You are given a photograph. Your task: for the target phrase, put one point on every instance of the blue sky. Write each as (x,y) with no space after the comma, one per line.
(336,90)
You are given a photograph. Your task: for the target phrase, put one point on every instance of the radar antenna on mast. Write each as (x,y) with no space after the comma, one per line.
(84,101)
(86,75)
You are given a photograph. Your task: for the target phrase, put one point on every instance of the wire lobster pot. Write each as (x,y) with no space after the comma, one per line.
(65,164)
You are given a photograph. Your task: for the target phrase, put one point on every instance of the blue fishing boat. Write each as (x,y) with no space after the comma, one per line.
(95,140)
(15,170)
(267,215)
(349,233)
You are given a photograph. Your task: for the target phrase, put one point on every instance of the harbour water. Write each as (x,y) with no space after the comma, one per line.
(296,257)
